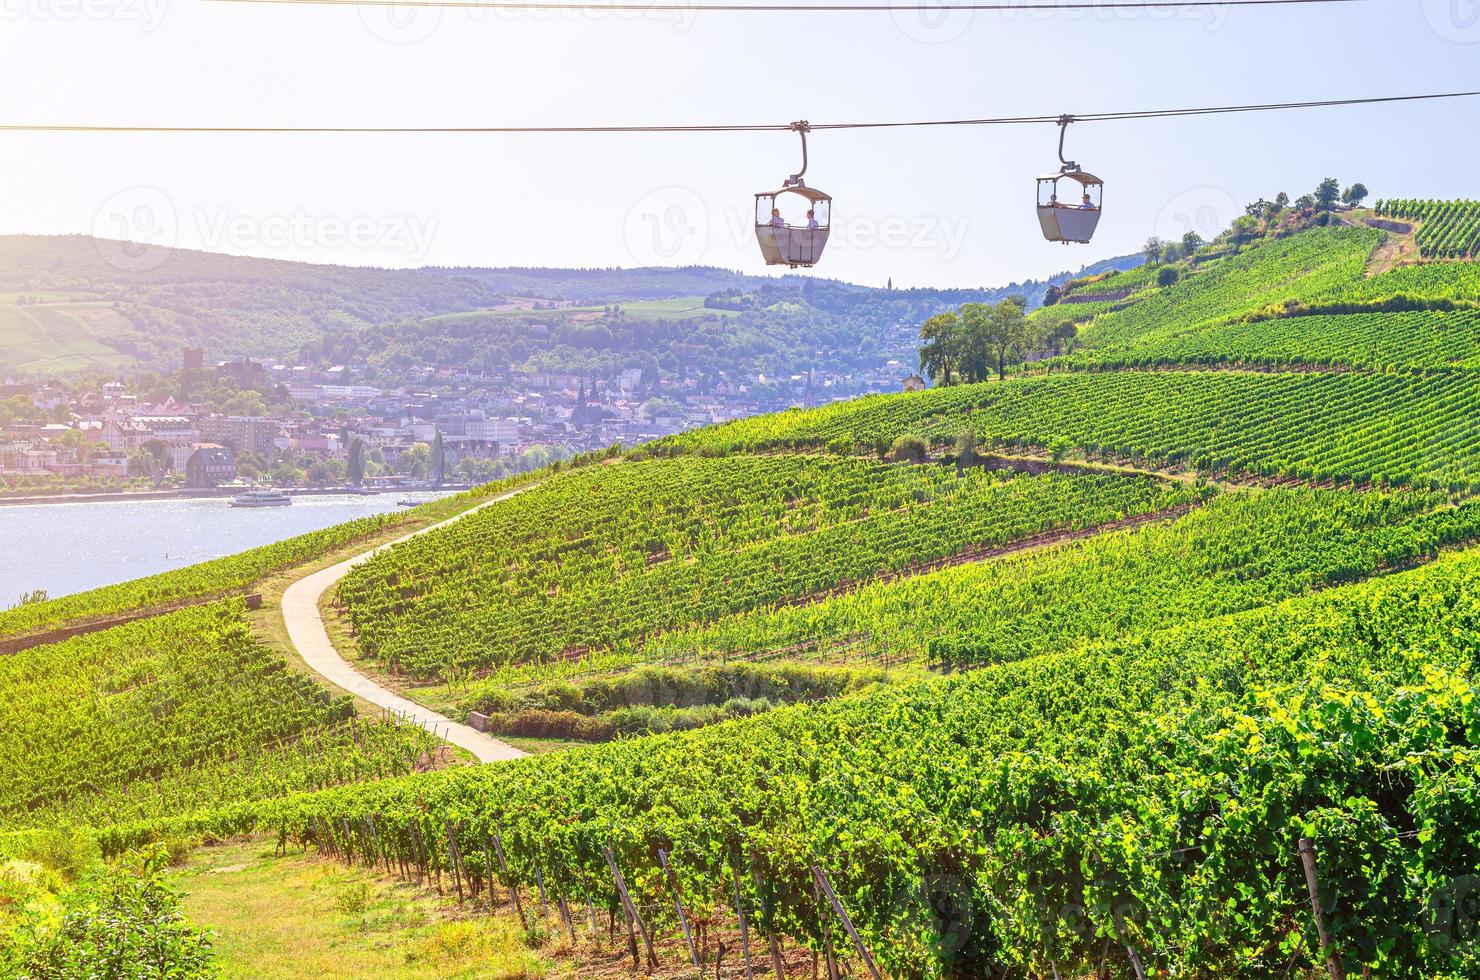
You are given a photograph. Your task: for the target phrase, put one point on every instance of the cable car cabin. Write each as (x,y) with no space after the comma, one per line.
(799,241)
(1069,205)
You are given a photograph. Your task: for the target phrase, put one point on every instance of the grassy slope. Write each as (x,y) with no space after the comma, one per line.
(295,916)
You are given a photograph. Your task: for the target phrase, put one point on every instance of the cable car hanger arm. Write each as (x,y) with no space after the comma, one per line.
(802,127)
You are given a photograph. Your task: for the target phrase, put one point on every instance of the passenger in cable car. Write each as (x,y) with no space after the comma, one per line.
(776,220)
(1087,204)
(812,224)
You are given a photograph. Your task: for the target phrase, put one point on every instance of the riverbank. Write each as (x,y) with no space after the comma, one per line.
(194,493)
(81,543)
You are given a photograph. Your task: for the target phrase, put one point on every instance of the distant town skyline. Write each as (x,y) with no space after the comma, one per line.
(927,207)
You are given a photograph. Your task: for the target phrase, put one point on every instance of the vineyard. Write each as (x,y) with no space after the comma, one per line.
(172,713)
(1039,816)
(1085,673)
(1451,229)
(1240,551)
(602,558)
(1404,341)
(1349,427)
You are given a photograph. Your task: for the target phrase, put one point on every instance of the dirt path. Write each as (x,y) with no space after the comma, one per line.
(310,638)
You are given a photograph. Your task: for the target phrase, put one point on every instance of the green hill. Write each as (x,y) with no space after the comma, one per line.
(67,305)
(1048,677)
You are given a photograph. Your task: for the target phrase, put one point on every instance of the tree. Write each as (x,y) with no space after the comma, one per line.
(357,461)
(1152,250)
(1245,229)
(1172,252)
(997,335)
(1260,209)
(1306,202)
(1327,194)
(413,462)
(1191,243)
(1281,201)
(1355,194)
(1168,276)
(941,353)
(966,454)
(909,449)
(438,459)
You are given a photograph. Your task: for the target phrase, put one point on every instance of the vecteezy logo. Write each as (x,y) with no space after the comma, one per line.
(669,226)
(400,25)
(135,229)
(1454,20)
(931,22)
(1206,211)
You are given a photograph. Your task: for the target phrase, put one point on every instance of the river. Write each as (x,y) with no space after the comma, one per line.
(71,547)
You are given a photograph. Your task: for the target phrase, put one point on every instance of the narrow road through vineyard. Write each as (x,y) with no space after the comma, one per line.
(310,638)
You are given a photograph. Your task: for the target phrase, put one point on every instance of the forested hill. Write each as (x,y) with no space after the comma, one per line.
(70,303)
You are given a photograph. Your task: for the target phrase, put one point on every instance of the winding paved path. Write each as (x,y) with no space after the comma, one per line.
(310,638)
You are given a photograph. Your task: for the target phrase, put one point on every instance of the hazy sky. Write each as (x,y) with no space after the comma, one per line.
(927,207)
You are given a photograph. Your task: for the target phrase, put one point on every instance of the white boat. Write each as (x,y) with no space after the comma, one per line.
(262,498)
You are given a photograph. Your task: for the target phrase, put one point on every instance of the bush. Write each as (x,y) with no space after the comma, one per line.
(1168,276)
(966,454)
(124,920)
(909,449)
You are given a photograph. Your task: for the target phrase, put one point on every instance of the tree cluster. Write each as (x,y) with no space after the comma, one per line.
(977,340)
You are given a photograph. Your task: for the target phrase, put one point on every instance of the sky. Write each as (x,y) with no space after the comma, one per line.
(923,207)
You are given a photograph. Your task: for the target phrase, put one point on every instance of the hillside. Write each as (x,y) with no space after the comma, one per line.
(65,307)
(1058,676)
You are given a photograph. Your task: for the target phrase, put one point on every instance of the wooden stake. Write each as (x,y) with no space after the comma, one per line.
(826,886)
(488,872)
(778,965)
(827,946)
(456,864)
(1130,952)
(647,940)
(744,929)
(570,923)
(539,884)
(503,870)
(1308,859)
(683,920)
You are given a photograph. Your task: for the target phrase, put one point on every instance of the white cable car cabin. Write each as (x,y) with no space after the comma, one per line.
(1075,219)
(799,241)
(798,244)
(1070,201)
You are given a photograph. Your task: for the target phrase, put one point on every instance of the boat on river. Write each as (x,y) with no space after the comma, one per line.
(262,498)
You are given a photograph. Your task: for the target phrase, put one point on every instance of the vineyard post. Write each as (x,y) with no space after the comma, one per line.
(503,870)
(488,873)
(777,964)
(349,844)
(631,909)
(744,929)
(539,886)
(683,920)
(1308,859)
(826,929)
(375,843)
(456,864)
(1135,958)
(826,886)
(570,923)
(591,908)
